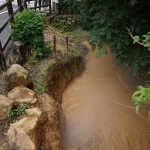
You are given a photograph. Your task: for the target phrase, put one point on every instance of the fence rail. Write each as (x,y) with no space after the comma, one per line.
(11,13)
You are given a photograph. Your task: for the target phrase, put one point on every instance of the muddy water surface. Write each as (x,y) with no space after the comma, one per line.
(99,112)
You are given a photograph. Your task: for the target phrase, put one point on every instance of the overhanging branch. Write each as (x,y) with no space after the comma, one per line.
(131,35)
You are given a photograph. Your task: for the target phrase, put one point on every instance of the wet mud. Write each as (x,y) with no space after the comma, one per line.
(99,111)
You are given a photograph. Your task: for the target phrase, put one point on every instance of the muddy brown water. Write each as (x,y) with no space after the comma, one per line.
(99,111)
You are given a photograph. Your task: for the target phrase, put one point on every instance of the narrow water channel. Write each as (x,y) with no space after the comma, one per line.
(99,111)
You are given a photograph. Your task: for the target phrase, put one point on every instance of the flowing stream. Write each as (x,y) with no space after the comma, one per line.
(99,111)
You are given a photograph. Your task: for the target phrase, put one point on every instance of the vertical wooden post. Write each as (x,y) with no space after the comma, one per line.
(25,4)
(2,58)
(10,10)
(54,46)
(67,44)
(50,6)
(21,5)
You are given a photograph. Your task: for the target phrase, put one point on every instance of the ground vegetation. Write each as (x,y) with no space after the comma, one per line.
(28,27)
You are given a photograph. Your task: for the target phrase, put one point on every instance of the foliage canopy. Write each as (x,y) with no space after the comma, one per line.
(108,22)
(70,6)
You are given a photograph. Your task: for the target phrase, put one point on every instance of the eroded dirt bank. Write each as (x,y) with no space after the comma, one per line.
(99,112)
(52,76)
(55,74)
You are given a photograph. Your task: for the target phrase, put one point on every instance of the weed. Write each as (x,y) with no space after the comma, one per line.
(20,110)
(40,88)
(65,24)
(75,51)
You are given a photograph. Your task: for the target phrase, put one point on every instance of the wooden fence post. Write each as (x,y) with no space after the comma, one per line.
(50,6)
(2,58)
(25,4)
(10,10)
(67,44)
(54,46)
(20,5)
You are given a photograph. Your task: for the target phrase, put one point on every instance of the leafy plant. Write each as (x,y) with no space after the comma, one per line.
(28,28)
(20,110)
(144,41)
(141,96)
(47,49)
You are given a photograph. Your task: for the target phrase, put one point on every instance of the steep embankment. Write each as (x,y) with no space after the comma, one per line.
(52,76)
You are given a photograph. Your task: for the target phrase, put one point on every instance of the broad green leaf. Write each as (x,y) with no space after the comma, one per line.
(136,93)
(136,39)
(149,115)
(141,87)
(147,94)
(136,99)
(137,108)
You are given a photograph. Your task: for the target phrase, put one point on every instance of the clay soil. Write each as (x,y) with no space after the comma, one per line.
(75,43)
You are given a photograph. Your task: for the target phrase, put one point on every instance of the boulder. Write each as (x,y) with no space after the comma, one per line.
(17,55)
(22,94)
(33,112)
(25,134)
(16,75)
(36,112)
(5,107)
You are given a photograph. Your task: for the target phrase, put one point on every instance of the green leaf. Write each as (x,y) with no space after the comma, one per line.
(140,87)
(149,115)
(136,99)
(147,94)
(137,108)
(136,39)
(136,93)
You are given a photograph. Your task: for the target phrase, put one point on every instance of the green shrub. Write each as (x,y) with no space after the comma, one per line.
(28,28)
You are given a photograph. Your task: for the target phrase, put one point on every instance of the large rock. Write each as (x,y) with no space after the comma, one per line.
(5,107)
(16,75)
(33,112)
(36,112)
(25,134)
(22,94)
(17,54)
